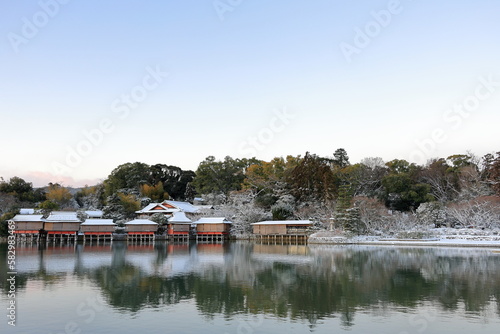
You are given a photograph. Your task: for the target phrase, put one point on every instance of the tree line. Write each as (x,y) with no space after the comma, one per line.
(284,187)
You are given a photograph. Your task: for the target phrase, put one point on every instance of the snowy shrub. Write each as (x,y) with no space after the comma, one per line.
(159,218)
(378,220)
(483,212)
(282,211)
(246,216)
(432,213)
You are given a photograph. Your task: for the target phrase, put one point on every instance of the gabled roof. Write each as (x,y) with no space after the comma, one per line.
(284,222)
(141,222)
(62,216)
(98,222)
(157,208)
(28,218)
(57,213)
(94,213)
(169,207)
(183,206)
(179,218)
(213,220)
(203,207)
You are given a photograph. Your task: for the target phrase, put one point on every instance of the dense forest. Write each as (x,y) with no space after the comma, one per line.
(369,197)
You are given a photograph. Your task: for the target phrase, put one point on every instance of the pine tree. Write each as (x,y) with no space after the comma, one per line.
(344,202)
(346,215)
(340,158)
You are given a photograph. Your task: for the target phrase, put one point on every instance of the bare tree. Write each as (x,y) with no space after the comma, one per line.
(482,212)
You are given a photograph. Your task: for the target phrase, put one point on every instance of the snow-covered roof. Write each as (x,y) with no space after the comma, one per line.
(149,207)
(27,211)
(203,207)
(98,222)
(169,207)
(157,208)
(213,220)
(62,216)
(57,213)
(141,222)
(94,213)
(180,218)
(27,218)
(284,222)
(183,206)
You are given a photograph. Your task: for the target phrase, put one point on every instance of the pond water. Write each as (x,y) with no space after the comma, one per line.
(245,287)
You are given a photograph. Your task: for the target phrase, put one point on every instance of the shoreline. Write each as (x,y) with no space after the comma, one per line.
(456,243)
(492,241)
(449,241)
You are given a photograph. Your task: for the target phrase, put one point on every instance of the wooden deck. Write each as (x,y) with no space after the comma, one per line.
(211,236)
(281,238)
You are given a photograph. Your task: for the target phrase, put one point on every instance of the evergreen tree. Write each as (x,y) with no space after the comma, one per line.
(346,215)
(340,158)
(221,177)
(190,192)
(282,211)
(344,202)
(492,171)
(402,189)
(312,179)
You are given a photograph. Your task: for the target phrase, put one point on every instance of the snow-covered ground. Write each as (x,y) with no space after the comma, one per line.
(435,237)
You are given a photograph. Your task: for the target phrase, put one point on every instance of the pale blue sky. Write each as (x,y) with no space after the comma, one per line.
(227,79)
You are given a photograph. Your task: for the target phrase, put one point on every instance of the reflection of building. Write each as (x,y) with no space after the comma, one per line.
(288,253)
(28,224)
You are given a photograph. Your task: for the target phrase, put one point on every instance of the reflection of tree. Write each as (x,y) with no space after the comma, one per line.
(293,282)
(41,274)
(408,287)
(127,288)
(214,297)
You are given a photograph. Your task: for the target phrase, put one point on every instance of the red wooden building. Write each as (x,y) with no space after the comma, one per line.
(62,223)
(179,225)
(215,227)
(28,224)
(141,227)
(98,227)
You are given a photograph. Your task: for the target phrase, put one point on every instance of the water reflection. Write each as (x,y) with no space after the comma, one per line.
(286,281)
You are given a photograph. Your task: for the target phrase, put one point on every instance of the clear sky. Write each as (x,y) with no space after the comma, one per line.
(88,85)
